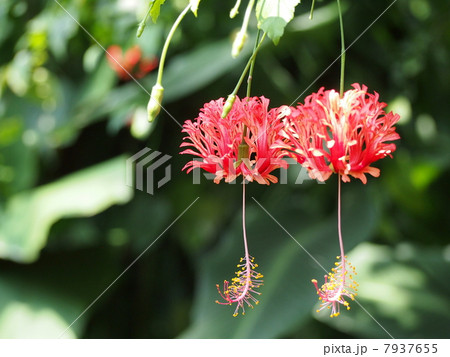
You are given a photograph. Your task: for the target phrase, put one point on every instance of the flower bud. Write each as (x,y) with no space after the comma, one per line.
(140,29)
(228,105)
(238,43)
(235,10)
(154,104)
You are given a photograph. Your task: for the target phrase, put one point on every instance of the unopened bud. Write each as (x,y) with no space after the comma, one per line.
(238,43)
(235,10)
(154,104)
(228,105)
(140,29)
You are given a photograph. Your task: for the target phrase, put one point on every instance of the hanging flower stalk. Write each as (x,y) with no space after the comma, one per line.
(243,287)
(343,135)
(238,145)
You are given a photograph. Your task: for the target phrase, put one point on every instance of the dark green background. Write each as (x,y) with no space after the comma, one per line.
(69,225)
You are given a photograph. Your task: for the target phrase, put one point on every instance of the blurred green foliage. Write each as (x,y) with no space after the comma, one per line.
(69,225)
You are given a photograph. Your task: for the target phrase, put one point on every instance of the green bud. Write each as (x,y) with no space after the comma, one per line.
(140,29)
(154,104)
(235,10)
(228,105)
(238,43)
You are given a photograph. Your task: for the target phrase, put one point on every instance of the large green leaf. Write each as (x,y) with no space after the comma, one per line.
(274,15)
(43,299)
(27,313)
(404,288)
(287,295)
(28,216)
(198,68)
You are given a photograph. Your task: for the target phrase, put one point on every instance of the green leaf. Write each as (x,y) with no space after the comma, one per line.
(194,6)
(28,216)
(27,313)
(155,6)
(197,69)
(274,15)
(324,15)
(287,296)
(43,299)
(404,288)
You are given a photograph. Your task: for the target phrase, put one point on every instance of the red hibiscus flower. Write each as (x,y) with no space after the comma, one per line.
(344,135)
(217,140)
(131,63)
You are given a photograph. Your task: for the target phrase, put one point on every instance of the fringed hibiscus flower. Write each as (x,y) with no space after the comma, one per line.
(344,135)
(239,144)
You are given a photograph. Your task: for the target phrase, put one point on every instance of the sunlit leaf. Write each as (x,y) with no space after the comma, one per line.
(155,8)
(403,288)
(194,6)
(274,15)
(28,216)
(43,299)
(197,68)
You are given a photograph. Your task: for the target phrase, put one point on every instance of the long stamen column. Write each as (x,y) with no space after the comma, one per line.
(339,283)
(243,286)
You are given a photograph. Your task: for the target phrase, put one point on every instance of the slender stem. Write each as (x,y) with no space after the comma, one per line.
(341,24)
(312,9)
(167,43)
(143,23)
(252,66)
(248,12)
(243,224)
(250,79)
(248,267)
(341,241)
(247,67)
(247,256)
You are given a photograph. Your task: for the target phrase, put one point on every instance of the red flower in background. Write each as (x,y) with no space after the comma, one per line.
(132,63)
(216,140)
(345,135)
